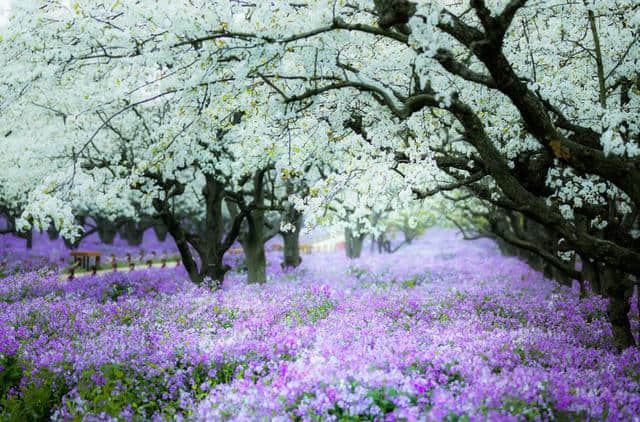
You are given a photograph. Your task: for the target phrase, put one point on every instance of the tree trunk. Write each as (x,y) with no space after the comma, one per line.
(132,233)
(291,249)
(107,233)
(213,272)
(583,289)
(211,249)
(590,272)
(180,237)
(187,259)
(616,288)
(29,238)
(291,239)
(353,244)
(638,298)
(408,232)
(52,233)
(253,242)
(161,231)
(209,246)
(561,276)
(291,243)
(547,271)
(256,261)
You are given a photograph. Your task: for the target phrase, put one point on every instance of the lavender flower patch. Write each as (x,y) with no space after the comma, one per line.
(410,336)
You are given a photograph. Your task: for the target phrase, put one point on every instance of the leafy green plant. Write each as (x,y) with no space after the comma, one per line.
(10,375)
(36,400)
(410,283)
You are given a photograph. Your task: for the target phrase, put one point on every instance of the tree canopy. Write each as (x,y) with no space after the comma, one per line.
(523,114)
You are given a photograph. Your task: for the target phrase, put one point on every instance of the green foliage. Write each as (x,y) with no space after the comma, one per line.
(595,315)
(11,297)
(36,400)
(460,296)
(115,292)
(517,406)
(486,306)
(107,389)
(540,411)
(225,316)
(410,283)
(309,314)
(36,319)
(357,272)
(11,374)
(444,317)
(453,375)
(112,387)
(119,388)
(528,356)
(453,417)
(381,398)
(226,372)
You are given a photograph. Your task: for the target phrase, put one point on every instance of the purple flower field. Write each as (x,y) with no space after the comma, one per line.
(444,329)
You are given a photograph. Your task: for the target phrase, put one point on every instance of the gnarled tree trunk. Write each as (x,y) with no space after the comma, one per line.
(211,244)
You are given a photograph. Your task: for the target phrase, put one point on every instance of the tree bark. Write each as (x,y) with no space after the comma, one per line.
(52,233)
(161,231)
(291,248)
(180,237)
(618,290)
(291,239)
(211,249)
(189,263)
(384,245)
(254,239)
(409,233)
(132,233)
(353,243)
(256,261)
(29,238)
(212,243)
(106,231)
(590,272)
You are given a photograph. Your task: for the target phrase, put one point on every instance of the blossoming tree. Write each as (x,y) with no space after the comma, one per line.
(529,107)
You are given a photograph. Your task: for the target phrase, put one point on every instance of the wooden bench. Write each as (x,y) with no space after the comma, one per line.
(83,258)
